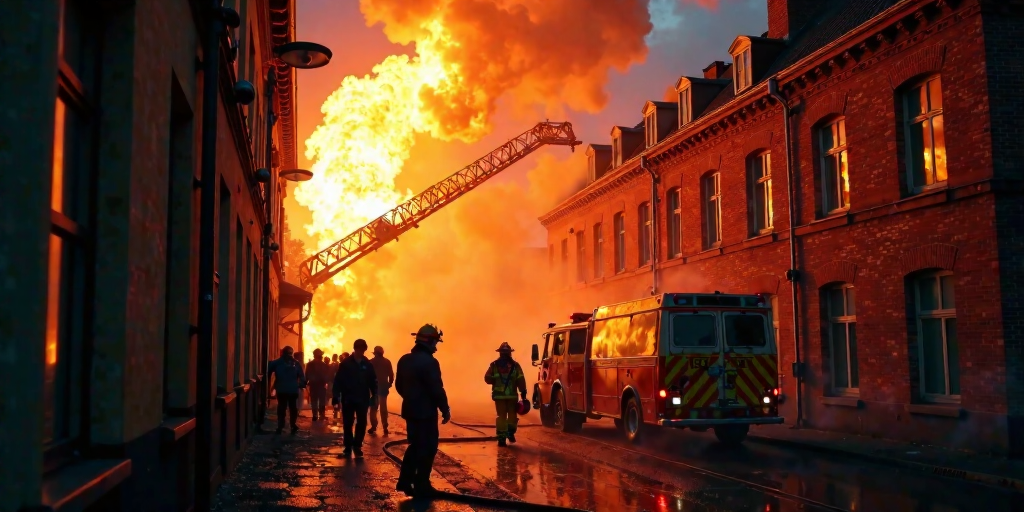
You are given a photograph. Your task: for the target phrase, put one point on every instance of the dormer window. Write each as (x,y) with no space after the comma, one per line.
(616,152)
(741,74)
(592,165)
(651,128)
(685,111)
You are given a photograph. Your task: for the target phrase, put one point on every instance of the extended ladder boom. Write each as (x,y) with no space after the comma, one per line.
(323,265)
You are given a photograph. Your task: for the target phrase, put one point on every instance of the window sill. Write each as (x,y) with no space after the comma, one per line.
(832,221)
(710,253)
(79,485)
(174,429)
(947,411)
(225,399)
(242,388)
(759,239)
(843,401)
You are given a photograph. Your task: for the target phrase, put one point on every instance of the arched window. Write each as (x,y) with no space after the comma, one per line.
(643,221)
(711,197)
(620,242)
(835,177)
(841,311)
(759,193)
(925,134)
(675,228)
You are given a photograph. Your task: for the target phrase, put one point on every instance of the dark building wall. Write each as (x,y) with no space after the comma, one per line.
(885,236)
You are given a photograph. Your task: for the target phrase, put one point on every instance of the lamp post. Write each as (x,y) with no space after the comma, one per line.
(300,55)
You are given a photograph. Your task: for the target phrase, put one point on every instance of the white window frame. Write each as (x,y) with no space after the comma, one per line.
(685,110)
(651,127)
(598,250)
(644,235)
(834,201)
(928,117)
(711,199)
(741,69)
(675,220)
(760,186)
(616,151)
(944,314)
(619,225)
(848,318)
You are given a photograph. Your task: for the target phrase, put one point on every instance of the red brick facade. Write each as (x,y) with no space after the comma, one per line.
(888,236)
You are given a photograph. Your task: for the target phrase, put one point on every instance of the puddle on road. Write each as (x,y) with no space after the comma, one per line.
(544,477)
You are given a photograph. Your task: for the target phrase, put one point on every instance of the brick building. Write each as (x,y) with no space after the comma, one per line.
(99,253)
(903,218)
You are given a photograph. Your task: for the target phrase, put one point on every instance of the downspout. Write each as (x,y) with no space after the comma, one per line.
(792,275)
(654,223)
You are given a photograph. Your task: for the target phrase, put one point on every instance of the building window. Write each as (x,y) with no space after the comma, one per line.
(643,216)
(651,128)
(592,166)
(565,261)
(620,242)
(598,251)
(616,152)
(580,276)
(925,135)
(741,69)
(675,228)
(711,192)
(842,337)
(835,177)
(69,273)
(685,114)
(938,350)
(759,192)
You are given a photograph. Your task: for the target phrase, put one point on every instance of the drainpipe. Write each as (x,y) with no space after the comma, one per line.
(792,275)
(654,223)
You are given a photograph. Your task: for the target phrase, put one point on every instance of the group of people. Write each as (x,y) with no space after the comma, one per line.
(361,385)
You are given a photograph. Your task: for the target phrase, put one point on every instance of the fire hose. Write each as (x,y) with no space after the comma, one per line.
(469,498)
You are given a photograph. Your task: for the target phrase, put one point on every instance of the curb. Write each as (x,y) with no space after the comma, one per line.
(1014,484)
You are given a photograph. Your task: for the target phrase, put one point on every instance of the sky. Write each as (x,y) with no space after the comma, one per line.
(687,36)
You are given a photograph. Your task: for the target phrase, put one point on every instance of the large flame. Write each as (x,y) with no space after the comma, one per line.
(469,272)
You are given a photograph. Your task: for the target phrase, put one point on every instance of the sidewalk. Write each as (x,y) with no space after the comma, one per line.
(305,471)
(930,459)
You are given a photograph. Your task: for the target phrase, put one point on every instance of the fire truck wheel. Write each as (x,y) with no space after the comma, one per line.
(564,420)
(633,420)
(731,435)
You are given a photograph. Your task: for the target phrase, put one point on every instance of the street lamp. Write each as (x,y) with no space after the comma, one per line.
(299,55)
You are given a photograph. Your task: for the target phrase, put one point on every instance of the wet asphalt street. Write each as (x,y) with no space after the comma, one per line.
(687,471)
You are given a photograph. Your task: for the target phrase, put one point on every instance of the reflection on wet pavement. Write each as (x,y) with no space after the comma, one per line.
(544,476)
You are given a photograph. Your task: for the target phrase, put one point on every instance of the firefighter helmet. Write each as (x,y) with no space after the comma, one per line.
(429,332)
(318,352)
(523,407)
(505,347)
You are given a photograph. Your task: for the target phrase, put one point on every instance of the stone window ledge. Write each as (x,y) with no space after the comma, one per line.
(173,429)
(79,485)
(948,411)
(843,401)
(225,399)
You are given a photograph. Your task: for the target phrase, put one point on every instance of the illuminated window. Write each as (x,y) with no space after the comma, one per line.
(835,177)
(925,135)
(711,193)
(759,193)
(620,243)
(580,276)
(598,251)
(938,351)
(643,216)
(840,303)
(675,228)
(741,69)
(685,114)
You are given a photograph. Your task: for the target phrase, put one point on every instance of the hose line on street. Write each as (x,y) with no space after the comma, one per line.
(469,498)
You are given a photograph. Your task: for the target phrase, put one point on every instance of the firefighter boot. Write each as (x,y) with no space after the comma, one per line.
(501,441)
(512,436)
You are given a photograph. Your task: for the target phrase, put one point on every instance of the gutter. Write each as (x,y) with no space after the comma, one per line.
(792,275)
(654,222)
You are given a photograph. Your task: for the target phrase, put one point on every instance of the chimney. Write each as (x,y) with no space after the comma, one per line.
(786,17)
(716,70)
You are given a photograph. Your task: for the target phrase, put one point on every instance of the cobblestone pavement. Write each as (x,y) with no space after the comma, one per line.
(305,471)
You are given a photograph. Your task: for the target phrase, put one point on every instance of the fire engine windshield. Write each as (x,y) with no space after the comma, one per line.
(745,330)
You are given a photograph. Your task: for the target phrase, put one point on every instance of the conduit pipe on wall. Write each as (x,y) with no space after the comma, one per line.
(654,223)
(792,275)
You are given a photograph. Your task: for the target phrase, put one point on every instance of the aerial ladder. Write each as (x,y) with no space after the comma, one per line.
(327,263)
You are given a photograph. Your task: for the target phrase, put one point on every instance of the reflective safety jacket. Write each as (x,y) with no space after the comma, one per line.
(505,377)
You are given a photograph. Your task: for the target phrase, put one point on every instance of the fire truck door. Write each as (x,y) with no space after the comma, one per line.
(573,379)
(542,375)
(556,367)
(694,362)
(750,358)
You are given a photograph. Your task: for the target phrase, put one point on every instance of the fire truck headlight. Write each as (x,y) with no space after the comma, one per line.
(767,400)
(676,400)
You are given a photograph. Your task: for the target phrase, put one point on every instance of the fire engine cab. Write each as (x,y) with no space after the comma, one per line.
(683,360)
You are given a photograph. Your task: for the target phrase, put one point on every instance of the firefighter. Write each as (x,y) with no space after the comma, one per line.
(418,382)
(385,378)
(506,376)
(318,375)
(355,387)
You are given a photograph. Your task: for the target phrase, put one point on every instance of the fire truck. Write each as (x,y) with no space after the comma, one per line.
(683,360)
